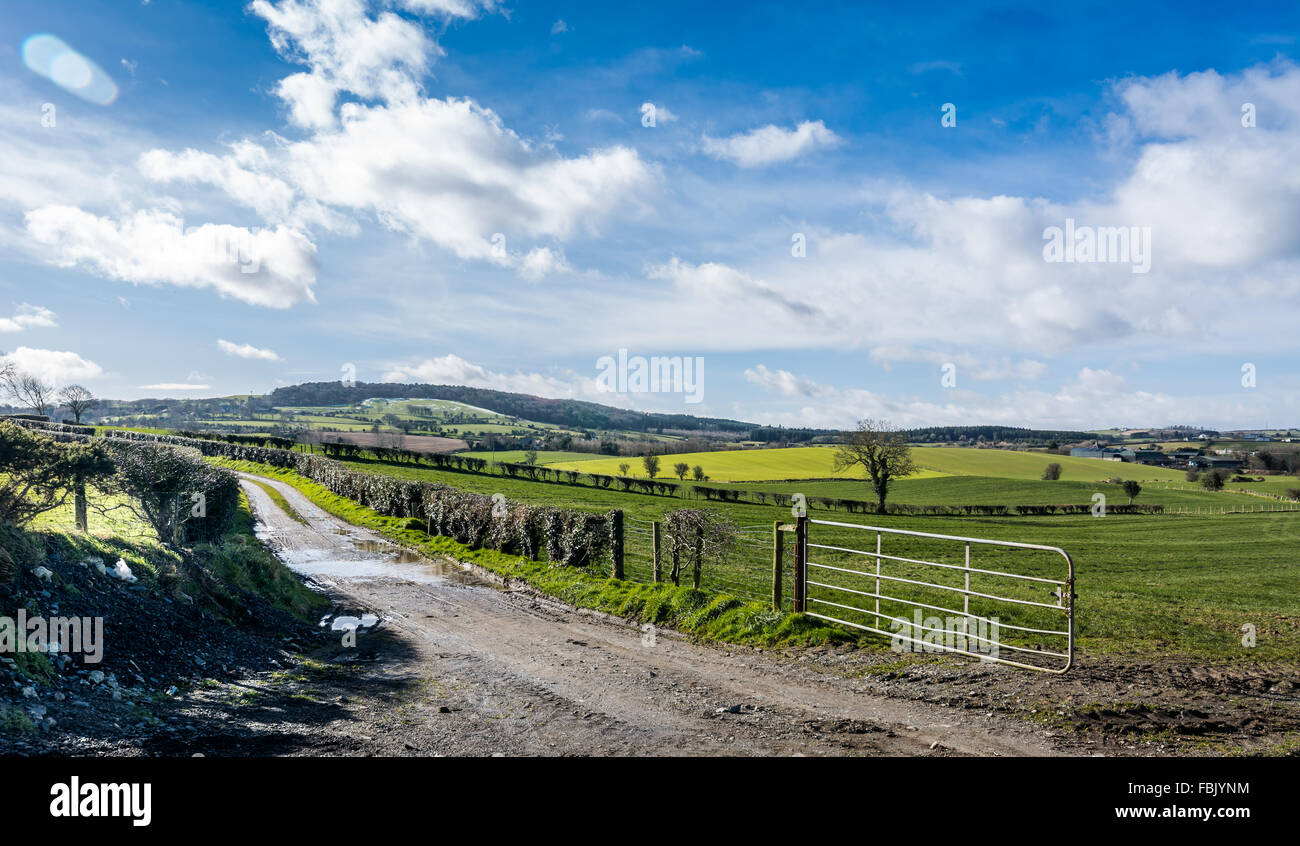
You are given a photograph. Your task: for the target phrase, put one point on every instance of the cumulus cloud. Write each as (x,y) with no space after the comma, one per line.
(785,383)
(26,317)
(771,144)
(446,170)
(345,50)
(57,367)
(246,351)
(270,267)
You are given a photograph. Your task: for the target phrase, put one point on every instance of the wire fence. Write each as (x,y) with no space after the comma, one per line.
(744,571)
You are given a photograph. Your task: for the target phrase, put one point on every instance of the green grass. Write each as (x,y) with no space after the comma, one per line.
(985,490)
(545,458)
(239,560)
(280,501)
(1148,584)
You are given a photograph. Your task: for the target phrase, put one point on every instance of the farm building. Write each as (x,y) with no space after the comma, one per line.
(1104,453)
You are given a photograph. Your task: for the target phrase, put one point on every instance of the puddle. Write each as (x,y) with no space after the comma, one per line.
(397,554)
(340,555)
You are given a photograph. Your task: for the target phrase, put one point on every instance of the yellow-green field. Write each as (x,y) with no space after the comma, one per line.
(752,465)
(765,465)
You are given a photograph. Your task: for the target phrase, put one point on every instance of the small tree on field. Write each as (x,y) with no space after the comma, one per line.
(79,400)
(697,473)
(623,467)
(880,451)
(1212,481)
(1132,488)
(1052,473)
(681,468)
(1193,474)
(651,464)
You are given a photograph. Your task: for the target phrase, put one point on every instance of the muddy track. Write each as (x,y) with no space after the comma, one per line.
(458,666)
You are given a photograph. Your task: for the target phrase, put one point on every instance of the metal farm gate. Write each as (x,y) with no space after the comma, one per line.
(1015,600)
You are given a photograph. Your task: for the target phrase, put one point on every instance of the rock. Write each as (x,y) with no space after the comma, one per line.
(29,692)
(45,574)
(96,676)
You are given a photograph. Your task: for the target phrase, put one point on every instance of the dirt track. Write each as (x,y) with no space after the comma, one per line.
(460,667)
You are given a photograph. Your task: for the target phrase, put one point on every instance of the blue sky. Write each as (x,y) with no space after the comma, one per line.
(459,191)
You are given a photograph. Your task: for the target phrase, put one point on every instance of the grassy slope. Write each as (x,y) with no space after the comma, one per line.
(239,560)
(1167,584)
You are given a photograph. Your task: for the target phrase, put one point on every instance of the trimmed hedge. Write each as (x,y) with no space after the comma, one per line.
(564,536)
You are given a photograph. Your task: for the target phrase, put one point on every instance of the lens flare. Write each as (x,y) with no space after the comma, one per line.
(53,59)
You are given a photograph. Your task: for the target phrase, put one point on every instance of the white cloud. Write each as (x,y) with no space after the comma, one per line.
(445,170)
(559,27)
(785,383)
(246,351)
(771,144)
(58,367)
(345,50)
(26,317)
(270,267)
(724,285)
(451,369)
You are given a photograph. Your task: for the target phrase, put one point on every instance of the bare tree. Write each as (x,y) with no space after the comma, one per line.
(79,400)
(880,451)
(651,464)
(28,390)
(681,468)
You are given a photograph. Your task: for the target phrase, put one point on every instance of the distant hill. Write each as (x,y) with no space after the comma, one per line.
(992,435)
(578,414)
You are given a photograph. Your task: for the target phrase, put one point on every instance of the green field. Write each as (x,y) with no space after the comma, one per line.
(757,465)
(546,458)
(1147,583)
(734,465)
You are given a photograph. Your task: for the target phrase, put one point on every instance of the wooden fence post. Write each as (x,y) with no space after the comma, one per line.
(654,552)
(778,558)
(800,564)
(618,544)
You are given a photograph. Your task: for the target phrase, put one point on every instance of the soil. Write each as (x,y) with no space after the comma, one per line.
(454,662)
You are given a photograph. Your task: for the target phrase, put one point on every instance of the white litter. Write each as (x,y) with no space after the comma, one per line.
(123,572)
(45,574)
